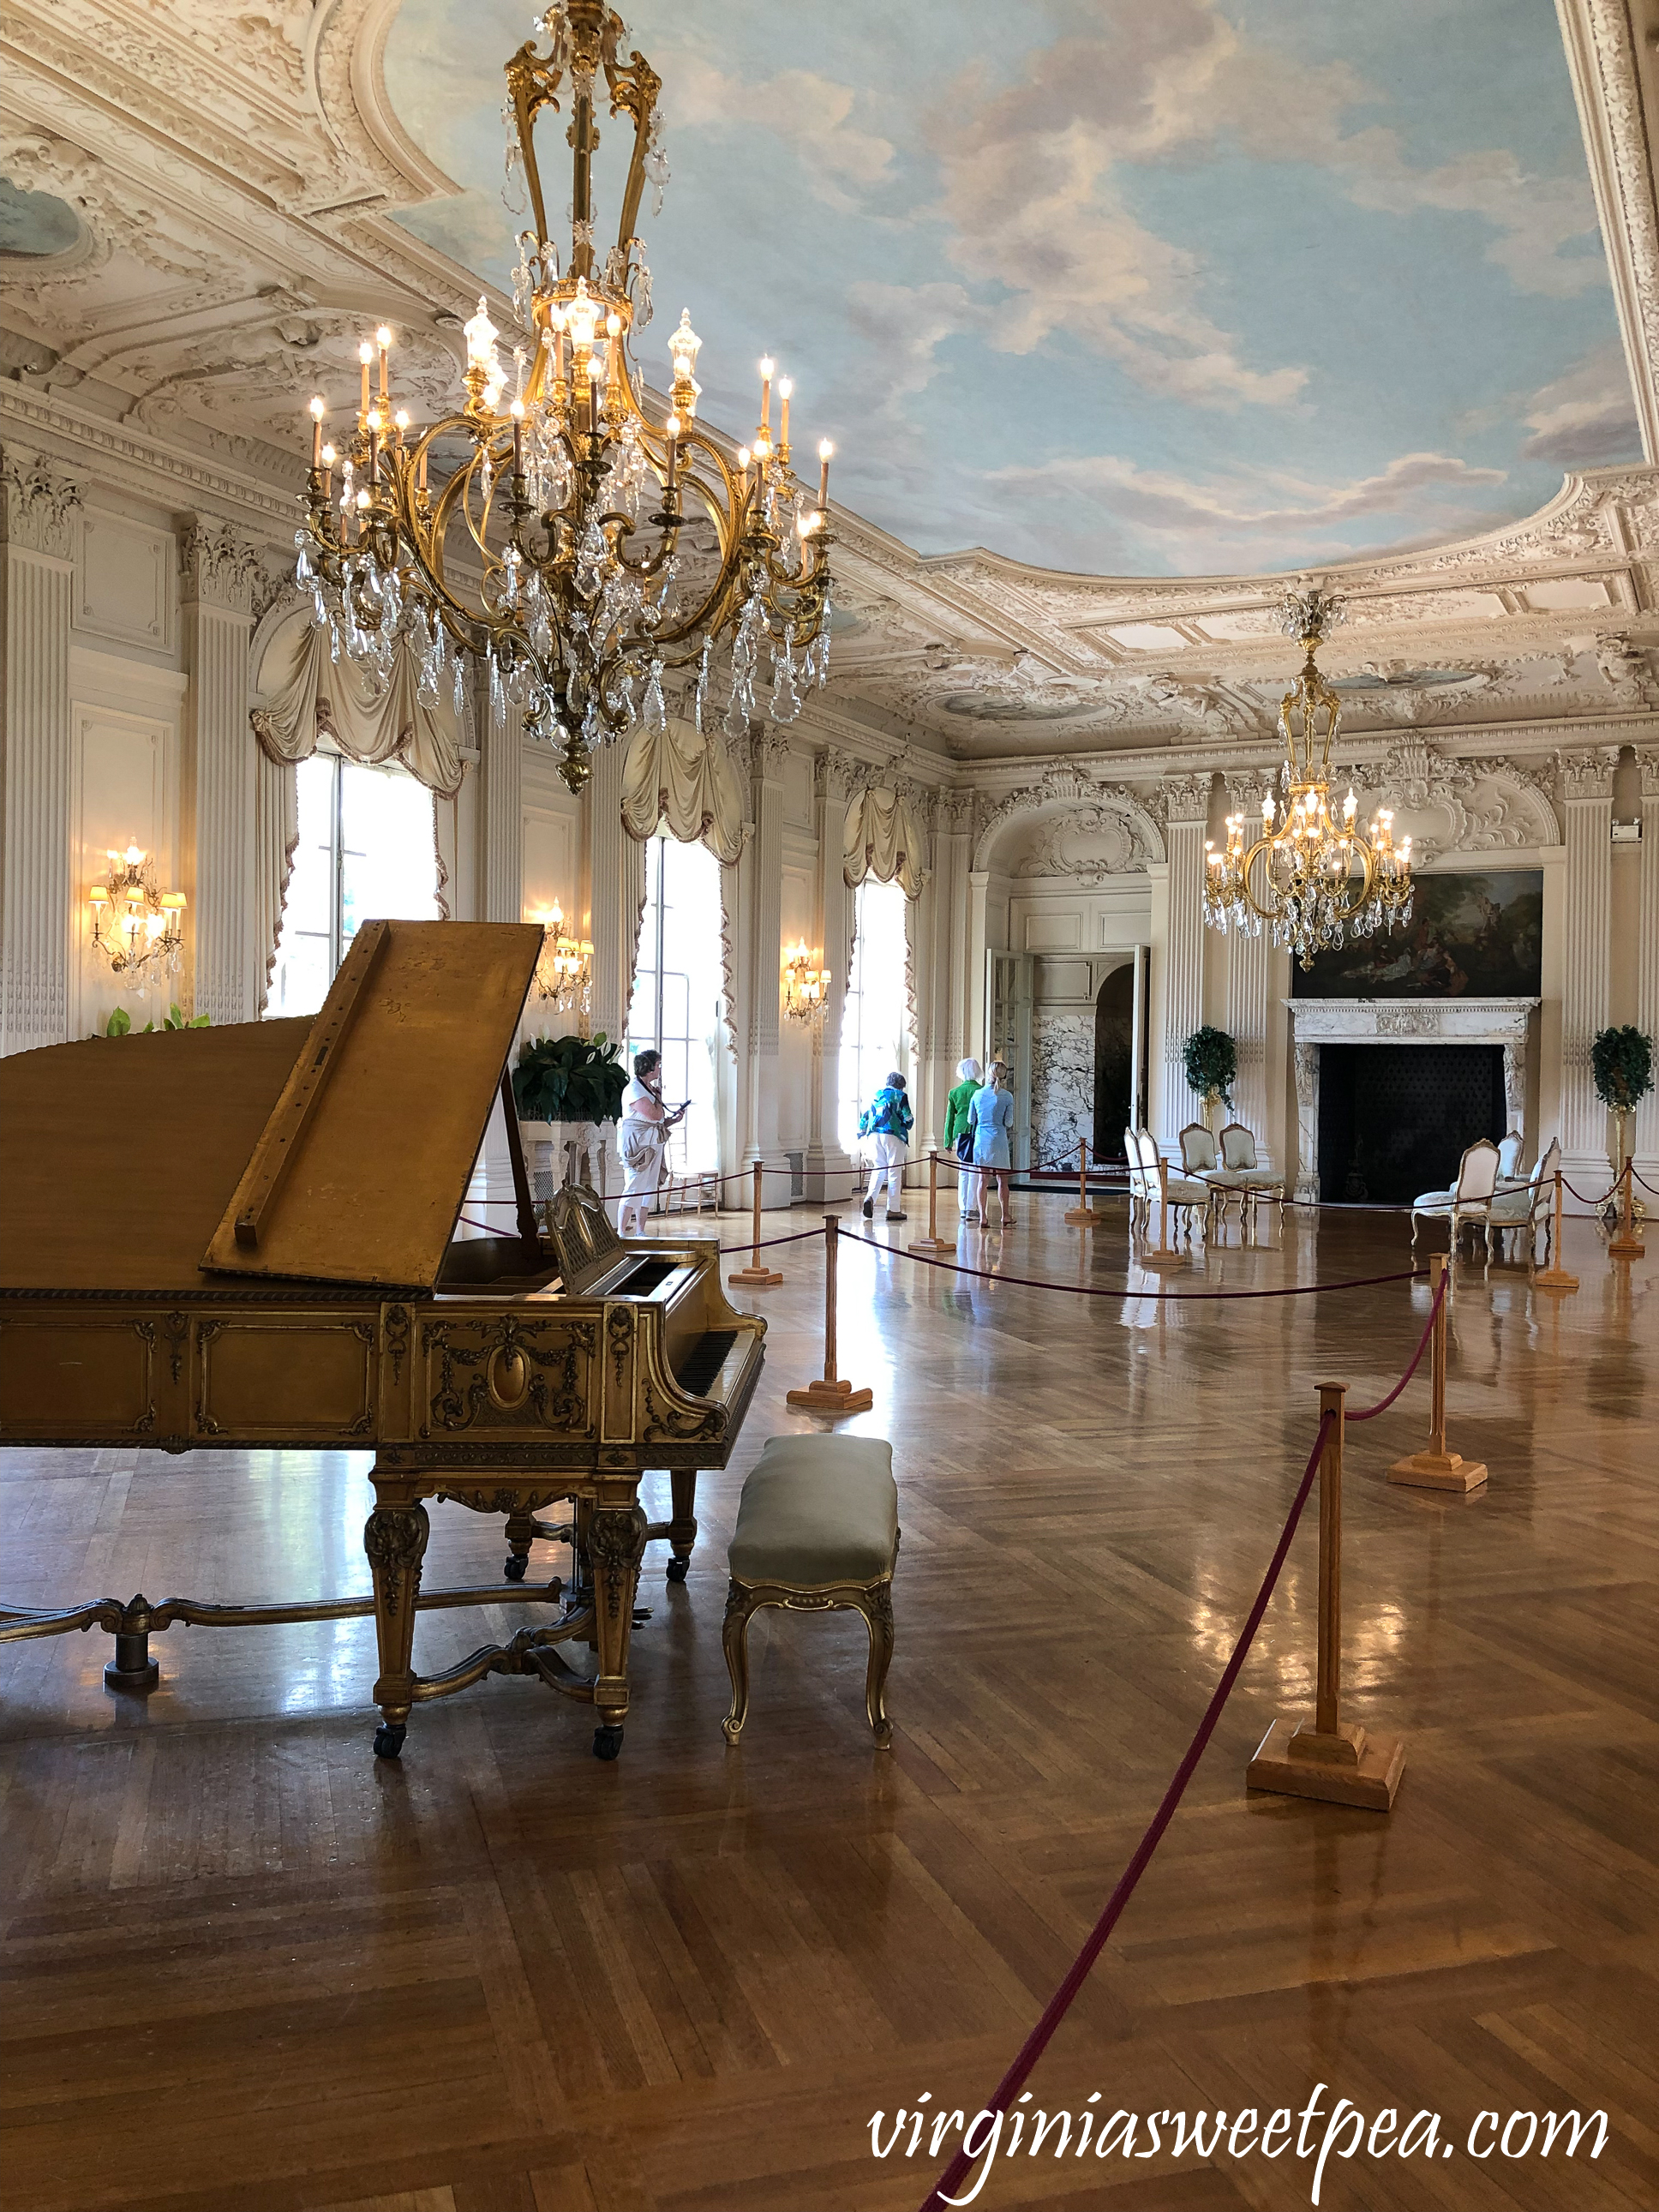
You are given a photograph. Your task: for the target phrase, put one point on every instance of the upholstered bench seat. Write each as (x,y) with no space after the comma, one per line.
(816,1532)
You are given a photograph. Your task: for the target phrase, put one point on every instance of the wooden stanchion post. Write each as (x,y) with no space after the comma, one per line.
(755,1277)
(1628,1245)
(933,1242)
(1555,1276)
(830,1396)
(1163,1255)
(1335,1760)
(1437,1468)
(1082,1215)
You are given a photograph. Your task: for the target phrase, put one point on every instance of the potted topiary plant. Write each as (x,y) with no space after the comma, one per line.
(576,1084)
(1211,1060)
(1621,1061)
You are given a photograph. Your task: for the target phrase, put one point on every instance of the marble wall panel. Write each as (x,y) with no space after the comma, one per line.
(1062,1082)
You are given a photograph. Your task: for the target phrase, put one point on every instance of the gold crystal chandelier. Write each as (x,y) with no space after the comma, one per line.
(1314,881)
(580,550)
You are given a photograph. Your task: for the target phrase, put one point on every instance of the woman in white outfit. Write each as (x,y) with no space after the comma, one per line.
(642,1137)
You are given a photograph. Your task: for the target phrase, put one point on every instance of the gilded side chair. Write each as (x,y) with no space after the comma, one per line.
(1183,1195)
(1469,1197)
(1528,1208)
(1238,1157)
(1202,1161)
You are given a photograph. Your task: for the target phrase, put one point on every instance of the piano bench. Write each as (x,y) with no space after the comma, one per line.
(818,1532)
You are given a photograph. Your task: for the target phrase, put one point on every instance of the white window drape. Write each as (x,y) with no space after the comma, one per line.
(309,696)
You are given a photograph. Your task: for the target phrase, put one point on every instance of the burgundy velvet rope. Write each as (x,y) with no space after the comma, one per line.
(1058,2005)
(1095,1291)
(1370,1412)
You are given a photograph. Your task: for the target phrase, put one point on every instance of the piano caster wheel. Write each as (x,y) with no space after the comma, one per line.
(607,1742)
(515,1568)
(677,1569)
(389,1739)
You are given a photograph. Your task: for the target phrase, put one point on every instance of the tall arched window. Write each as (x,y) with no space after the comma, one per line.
(365,851)
(678,983)
(876,1013)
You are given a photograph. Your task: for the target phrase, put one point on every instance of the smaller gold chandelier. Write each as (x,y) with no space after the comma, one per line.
(1312,880)
(564,974)
(138,929)
(806,988)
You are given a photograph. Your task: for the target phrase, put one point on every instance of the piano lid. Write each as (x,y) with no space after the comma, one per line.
(361,1168)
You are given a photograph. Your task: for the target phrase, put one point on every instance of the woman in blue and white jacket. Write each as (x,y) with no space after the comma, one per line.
(886,1122)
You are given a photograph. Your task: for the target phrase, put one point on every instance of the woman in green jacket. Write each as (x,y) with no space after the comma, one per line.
(956,1121)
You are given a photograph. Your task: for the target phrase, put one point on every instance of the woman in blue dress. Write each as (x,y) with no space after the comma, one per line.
(990,1116)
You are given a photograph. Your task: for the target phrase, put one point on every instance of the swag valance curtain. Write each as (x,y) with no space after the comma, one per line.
(312,696)
(685,777)
(884,840)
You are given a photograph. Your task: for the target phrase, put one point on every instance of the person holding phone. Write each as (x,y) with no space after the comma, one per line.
(642,1139)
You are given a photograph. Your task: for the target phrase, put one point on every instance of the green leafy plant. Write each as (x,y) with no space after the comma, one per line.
(121,1023)
(569,1079)
(1211,1060)
(1622,1063)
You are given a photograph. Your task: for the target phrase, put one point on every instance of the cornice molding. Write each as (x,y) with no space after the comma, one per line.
(134,460)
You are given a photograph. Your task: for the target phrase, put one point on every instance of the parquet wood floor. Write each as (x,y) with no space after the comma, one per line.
(250,1969)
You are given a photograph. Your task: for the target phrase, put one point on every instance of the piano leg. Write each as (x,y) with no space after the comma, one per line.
(395,1537)
(615,1544)
(522,1530)
(682,1528)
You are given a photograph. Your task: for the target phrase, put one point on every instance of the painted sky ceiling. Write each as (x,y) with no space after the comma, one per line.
(1206,286)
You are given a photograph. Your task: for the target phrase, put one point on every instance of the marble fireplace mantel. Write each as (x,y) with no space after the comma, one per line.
(1315,1022)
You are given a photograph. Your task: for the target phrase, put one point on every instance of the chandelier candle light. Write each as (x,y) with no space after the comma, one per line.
(564,974)
(138,929)
(580,550)
(806,988)
(1312,878)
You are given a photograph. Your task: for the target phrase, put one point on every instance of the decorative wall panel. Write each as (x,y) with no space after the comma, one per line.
(124,585)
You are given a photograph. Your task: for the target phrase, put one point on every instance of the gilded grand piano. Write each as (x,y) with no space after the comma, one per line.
(246,1238)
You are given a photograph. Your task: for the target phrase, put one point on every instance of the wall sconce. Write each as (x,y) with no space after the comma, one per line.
(564,974)
(138,929)
(806,988)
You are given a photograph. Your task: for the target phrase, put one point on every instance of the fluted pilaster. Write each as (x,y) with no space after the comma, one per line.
(36,579)
(1586,812)
(500,811)
(220,582)
(767,752)
(1646,1139)
(1187,804)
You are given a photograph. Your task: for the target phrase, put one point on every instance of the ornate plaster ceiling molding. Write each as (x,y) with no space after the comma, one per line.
(1447,802)
(1108,814)
(1602,56)
(1513,621)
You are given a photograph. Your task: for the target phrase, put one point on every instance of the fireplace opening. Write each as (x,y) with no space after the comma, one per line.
(1394,1120)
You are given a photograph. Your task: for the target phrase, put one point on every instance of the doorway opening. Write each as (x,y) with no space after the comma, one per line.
(1115,1007)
